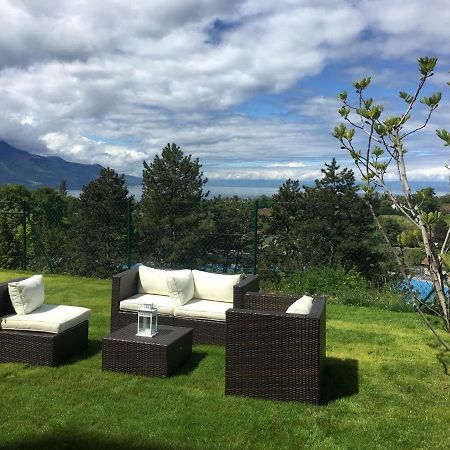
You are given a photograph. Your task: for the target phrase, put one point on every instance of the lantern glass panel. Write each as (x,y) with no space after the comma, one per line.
(147,320)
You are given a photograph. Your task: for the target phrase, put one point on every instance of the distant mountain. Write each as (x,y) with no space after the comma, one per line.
(20,167)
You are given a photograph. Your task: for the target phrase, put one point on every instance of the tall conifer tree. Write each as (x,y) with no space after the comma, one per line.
(101,225)
(171,207)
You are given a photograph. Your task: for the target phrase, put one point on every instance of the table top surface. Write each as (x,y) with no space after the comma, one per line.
(166,335)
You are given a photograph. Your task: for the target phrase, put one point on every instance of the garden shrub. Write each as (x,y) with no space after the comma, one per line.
(342,286)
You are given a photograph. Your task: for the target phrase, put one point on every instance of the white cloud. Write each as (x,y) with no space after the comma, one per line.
(289,164)
(264,174)
(423,174)
(113,81)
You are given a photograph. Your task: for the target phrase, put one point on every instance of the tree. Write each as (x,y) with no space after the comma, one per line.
(337,223)
(281,241)
(440,232)
(13,200)
(385,148)
(63,187)
(171,204)
(393,229)
(100,226)
(49,227)
(225,233)
(426,200)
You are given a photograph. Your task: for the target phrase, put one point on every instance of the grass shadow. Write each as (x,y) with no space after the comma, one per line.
(93,348)
(191,364)
(69,439)
(341,379)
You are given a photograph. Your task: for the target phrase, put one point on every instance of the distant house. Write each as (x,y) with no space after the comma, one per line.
(425,266)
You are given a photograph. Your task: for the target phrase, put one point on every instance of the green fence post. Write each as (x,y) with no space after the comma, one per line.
(129,233)
(255,236)
(24,236)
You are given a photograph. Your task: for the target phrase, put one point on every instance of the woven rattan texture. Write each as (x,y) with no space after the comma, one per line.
(34,347)
(205,331)
(159,356)
(274,355)
(43,348)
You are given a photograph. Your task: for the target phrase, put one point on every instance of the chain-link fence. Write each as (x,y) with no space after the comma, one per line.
(230,235)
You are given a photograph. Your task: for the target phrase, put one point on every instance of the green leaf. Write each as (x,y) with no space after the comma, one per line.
(356,155)
(361,84)
(380,129)
(364,113)
(343,96)
(339,131)
(376,111)
(427,65)
(430,218)
(433,100)
(444,135)
(405,96)
(368,103)
(391,122)
(349,134)
(344,111)
(377,151)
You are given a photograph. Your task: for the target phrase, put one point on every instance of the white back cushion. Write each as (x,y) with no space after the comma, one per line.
(154,281)
(301,306)
(181,287)
(27,295)
(214,286)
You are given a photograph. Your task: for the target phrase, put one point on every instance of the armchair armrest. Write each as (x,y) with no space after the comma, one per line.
(317,313)
(279,302)
(248,284)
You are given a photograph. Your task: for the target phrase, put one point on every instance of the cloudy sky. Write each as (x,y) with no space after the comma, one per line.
(248,87)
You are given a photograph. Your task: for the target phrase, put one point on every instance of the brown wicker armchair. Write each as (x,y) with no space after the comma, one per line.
(272,354)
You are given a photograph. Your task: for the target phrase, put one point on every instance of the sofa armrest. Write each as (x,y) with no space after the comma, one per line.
(248,284)
(6,307)
(124,285)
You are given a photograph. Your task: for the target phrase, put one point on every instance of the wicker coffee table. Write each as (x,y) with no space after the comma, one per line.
(158,356)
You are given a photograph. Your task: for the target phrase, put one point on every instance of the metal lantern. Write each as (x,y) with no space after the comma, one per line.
(147,320)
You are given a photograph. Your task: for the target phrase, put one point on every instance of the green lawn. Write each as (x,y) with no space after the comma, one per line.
(387,386)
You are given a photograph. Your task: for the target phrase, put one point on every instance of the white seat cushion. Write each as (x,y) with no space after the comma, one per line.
(301,306)
(214,286)
(203,309)
(47,318)
(162,302)
(154,281)
(27,295)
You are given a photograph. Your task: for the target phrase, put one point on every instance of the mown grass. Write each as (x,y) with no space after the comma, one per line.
(386,387)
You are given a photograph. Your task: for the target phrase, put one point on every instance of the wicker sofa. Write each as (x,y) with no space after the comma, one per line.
(22,342)
(126,288)
(273,354)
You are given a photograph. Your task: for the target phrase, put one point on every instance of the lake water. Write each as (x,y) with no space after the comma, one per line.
(214,191)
